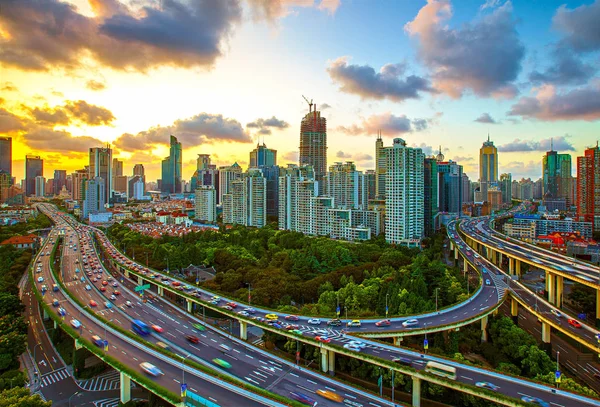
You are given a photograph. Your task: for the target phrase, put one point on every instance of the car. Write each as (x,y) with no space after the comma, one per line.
(225,347)
(403,361)
(107,304)
(243,313)
(62,312)
(352,347)
(334,322)
(574,323)
(129,304)
(329,395)
(535,400)
(272,317)
(487,385)
(117,292)
(556,313)
(115,284)
(112,297)
(88,288)
(410,322)
(40,279)
(383,322)
(103,289)
(289,327)
(158,329)
(151,369)
(291,317)
(222,363)
(487,281)
(303,398)
(354,322)
(94,279)
(250,310)
(323,338)
(192,339)
(199,327)
(44,289)
(232,304)
(104,282)
(359,344)
(314,321)
(75,323)
(297,332)
(55,302)
(96,340)
(93,303)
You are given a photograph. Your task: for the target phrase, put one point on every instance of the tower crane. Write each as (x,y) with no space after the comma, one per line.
(310,103)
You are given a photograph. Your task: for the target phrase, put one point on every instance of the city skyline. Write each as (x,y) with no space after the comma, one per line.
(389,76)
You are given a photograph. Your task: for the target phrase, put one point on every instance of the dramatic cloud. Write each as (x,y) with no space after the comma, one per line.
(558,144)
(264,126)
(388,83)
(427,149)
(485,118)
(45,34)
(49,116)
(9,87)
(362,157)
(576,104)
(272,10)
(290,156)
(483,56)
(10,122)
(388,123)
(203,128)
(460,158)
(89,114)
(95,85)
(45,139)
(565,69)
(579,26)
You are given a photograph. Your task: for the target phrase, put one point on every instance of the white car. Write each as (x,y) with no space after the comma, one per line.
(358,344)
(314,321)
(88,288)
(75,324)
(352,348)
(556,313)
(410,322)
(151,369)
(129,304)
(487,281)
(40,279)
(113,297)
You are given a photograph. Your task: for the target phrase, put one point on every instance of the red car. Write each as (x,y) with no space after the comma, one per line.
(289,327)
(175,283)
(291,317)
(158,329)
(384,322)
(105,283)
(232,304)
(323,339)
(574,323)
(117,293)
(93,303)
(192,339)
(103,289)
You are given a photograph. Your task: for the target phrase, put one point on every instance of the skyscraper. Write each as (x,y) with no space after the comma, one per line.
(78,180)
(347,186)
(101,166)
(246,204)
(371,179)
(430,197)
(557,176)
(488,166)
(380,166)
(117,169)
(40,186)
(262,156)
(172,168)
(95,200)
(313,144)
(6,154)
(60,180)
(206,203)
(34,167)
(404,197)
(138,169)
(506,188)
(450,186)
(588,184)
(205,174)
(226,176)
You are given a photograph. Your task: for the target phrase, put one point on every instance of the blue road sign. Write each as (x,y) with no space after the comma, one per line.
(557,376)
(426,344)
(183,389)
(338,310)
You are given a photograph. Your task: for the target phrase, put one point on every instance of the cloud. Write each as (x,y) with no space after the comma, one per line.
(520,169)
(272,10)
(9,87)
(341,154)
(388,123)
(460,158)
(290,156)
(95,85)
(482,56)
(204,128)
(548,105)
(427,150)
(324,106)
(579,26)
(46,139)
(264,126)
(10,122)
(49,116)
(565,69)
(485,118)
(52,33)
(559,144)
(362,157)
(490,4)
(90,114)
(388,83)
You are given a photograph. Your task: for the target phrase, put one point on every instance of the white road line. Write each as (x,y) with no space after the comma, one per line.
(310,381)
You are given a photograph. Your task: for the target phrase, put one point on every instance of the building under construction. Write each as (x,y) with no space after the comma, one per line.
(313,143)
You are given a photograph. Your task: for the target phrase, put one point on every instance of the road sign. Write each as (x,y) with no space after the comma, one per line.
(142,287)
(338,311)
(557,376)
(297,356)
(183,389)
(425,344)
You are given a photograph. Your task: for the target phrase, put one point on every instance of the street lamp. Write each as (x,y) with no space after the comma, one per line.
(436,298)
(34,358)
(183,367)
(249,295)
(74,394)
(386,305)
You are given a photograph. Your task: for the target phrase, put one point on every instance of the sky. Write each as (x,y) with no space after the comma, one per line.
(223,75)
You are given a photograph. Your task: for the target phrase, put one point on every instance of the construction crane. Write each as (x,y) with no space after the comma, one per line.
(309,103)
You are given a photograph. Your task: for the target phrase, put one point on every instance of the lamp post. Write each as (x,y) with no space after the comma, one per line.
(183,368)
(557,367)
(34,358)
(74,394)
(249,295)
(436,298)
(386,305)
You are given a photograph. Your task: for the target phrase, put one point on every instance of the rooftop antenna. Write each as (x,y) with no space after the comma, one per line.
(551,144)
(309,103)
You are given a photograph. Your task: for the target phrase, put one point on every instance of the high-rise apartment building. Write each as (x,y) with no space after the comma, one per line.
(404,197)
(297,186)
(101,166)
(431,194)
(538,189)
(450,178)
(588,187)
(78,180)
(347,186)
(246,204)
(117,167)
(557,176)
(40,186)
(467,190)
(95,198)
(380,166)
(138,169)
(371,179)
(505,185)
(205,174)
(138,188)
(5,184)
(206,203)
(262,156)
(226,176)
(172,168)
(6,155)
(488,166)
(34,167)
(121,184)
(313,144)
(60,180)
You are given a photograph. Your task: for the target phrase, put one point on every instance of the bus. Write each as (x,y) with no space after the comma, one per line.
(441,370)
(140,327)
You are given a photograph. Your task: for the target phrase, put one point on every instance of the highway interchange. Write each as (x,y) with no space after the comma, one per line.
(246,368)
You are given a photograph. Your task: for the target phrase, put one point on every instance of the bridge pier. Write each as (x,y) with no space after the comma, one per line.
(546,337)
(465,266)
(331,360)
(499,260)
(518,267)
(397,340)
(551,287)
(45,316)
(189,305)
(160,291)
(55,324)
(243,329)
(514,311)
(484,334)
(125,388)
(455,254)
(559,291)
(140,281)
(324,364)
(597,308)
(494,260)
(126,272)
(511,266)
(416,392)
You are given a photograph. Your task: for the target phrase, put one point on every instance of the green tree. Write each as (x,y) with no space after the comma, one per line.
(567,383)
(535,361)
(21,397)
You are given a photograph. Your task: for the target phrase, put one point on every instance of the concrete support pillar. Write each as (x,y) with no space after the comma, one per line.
(45,316)
(55,324)
(514,310)
(189,305)
(331,360)
(324,364)
(494,256)
(126,273)
(597,308)
(546,337)
(451,245)
(455,253)
(518,267)
(397,340)
(551,287)
(465,266)
(125,388)
(416,392)
(77,345)
(140,281)
(559,290)
(488,253)
(484,335)
(499,259)
(160,291)
(243,329)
